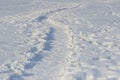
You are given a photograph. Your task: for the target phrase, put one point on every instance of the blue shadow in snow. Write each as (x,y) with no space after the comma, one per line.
(49,39)
(33,61)
(15,77)
(41,18)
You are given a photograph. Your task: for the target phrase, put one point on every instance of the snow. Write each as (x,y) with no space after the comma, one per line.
(59,39)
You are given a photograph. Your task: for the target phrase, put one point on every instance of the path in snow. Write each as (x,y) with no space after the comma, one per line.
(69,42)
(40,33)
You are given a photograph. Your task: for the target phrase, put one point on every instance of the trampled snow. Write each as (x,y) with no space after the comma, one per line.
(59,40)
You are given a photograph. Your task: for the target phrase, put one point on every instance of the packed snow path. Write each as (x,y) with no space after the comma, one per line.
(61,40)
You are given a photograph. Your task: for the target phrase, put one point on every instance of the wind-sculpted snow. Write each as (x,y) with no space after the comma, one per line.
(60,40)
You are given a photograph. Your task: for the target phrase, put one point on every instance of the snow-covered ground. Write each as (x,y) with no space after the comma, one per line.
(59,39)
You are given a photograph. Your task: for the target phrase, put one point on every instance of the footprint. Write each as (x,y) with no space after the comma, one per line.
(49,39)
(15,77)
(33,61)
(41,18)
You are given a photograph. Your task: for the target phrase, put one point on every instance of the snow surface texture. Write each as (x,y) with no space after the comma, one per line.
(59,39)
